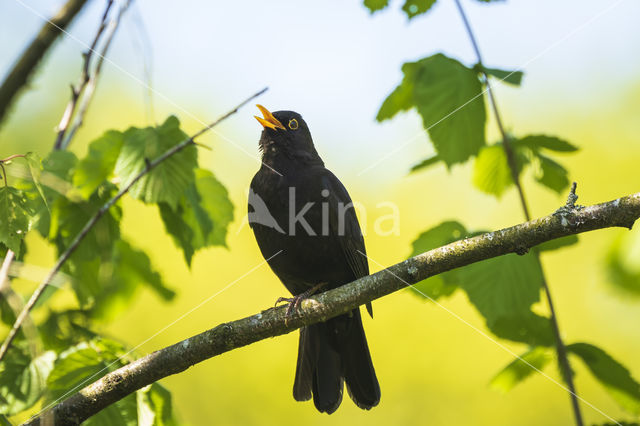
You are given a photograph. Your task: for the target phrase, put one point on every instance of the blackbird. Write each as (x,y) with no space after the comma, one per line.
(306,227)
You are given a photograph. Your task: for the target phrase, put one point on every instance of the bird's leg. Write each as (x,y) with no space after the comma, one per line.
(295,301)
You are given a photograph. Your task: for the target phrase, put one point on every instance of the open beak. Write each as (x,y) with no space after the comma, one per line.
(269,120)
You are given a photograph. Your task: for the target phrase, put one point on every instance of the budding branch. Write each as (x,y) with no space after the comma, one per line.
(568,220)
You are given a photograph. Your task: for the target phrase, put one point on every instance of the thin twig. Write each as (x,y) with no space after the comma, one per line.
(77,90)
(563,358)
(273,322)
(91,223)
(19,75)
(89,91)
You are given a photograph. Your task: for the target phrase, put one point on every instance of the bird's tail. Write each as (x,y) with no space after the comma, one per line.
(330,354)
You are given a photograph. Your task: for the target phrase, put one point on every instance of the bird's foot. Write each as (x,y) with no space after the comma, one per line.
(295,301)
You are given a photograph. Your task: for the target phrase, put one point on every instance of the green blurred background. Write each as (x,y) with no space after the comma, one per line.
(335,63)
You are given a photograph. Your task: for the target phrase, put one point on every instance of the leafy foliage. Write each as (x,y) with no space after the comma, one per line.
(521,368)
(511,77)
(16,219)
(449,98)
(615,378)
(86,362)
(170,179)
(201,217)
(22,379)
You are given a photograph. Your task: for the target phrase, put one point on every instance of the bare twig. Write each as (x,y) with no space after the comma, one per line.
(85,77)
(91,223)
(563,359)
(176,358)
(24,67)
(87,96)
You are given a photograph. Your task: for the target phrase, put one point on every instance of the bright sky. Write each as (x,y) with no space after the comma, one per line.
(335,64)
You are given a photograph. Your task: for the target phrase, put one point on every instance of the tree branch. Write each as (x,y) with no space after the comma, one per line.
(91,223)
(88,80)
(24,67)
(114,386)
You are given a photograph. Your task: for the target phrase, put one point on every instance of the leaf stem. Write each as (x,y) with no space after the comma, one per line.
(91,223)
(561,350)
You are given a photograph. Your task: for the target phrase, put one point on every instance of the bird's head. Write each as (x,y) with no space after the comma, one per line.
(285,132)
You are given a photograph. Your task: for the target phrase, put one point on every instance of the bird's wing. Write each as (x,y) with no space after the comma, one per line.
(347,229)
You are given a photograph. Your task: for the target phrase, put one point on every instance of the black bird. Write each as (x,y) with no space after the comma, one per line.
(307,229)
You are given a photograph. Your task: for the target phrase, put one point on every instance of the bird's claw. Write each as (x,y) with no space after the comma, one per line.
(296,301)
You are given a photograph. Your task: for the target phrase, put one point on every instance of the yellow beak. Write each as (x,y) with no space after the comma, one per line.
(269,120)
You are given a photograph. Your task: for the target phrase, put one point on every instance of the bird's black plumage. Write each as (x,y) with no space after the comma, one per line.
(325,247)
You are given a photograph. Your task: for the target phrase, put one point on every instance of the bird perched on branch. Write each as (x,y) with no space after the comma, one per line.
(306,227)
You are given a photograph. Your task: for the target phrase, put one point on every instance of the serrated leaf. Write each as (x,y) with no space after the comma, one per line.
(444,284)
(83,364)
(426,163)
(558,243)
(491,171)
(615,378)
(202,215)
(511,77)
(22,380)
(99,163)
(414,8)
(449,98)
(521,368)
(375,5)
(551,143)
(401,99)
(504,286)
(551,174)
(17,216)
(168,181)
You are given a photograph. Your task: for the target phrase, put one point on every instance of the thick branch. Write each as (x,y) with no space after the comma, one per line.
(24,67)
(91,222)
(622,212)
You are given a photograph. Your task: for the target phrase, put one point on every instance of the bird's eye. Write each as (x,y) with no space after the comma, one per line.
(293,124)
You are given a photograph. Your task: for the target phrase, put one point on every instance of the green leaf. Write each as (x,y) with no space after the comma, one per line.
(202,215)
(83,364)
(16,221)
(99,163)
(444,284)
(504,286)
(491,171)
(22,380)
(619,273)
(551,143)
(427,162)
(35,169)
(521,368)
(558,243)
(615,378)
(154,406)
(375,5)
(450,100)
(67,220)
(524,327)
(168,181)
(511,77)
(401,99)
(64,329)
(551,174)
(120,278)
(414,8)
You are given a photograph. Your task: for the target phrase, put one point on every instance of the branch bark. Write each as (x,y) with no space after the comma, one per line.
(174,359)
(24,67)
(91,222)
